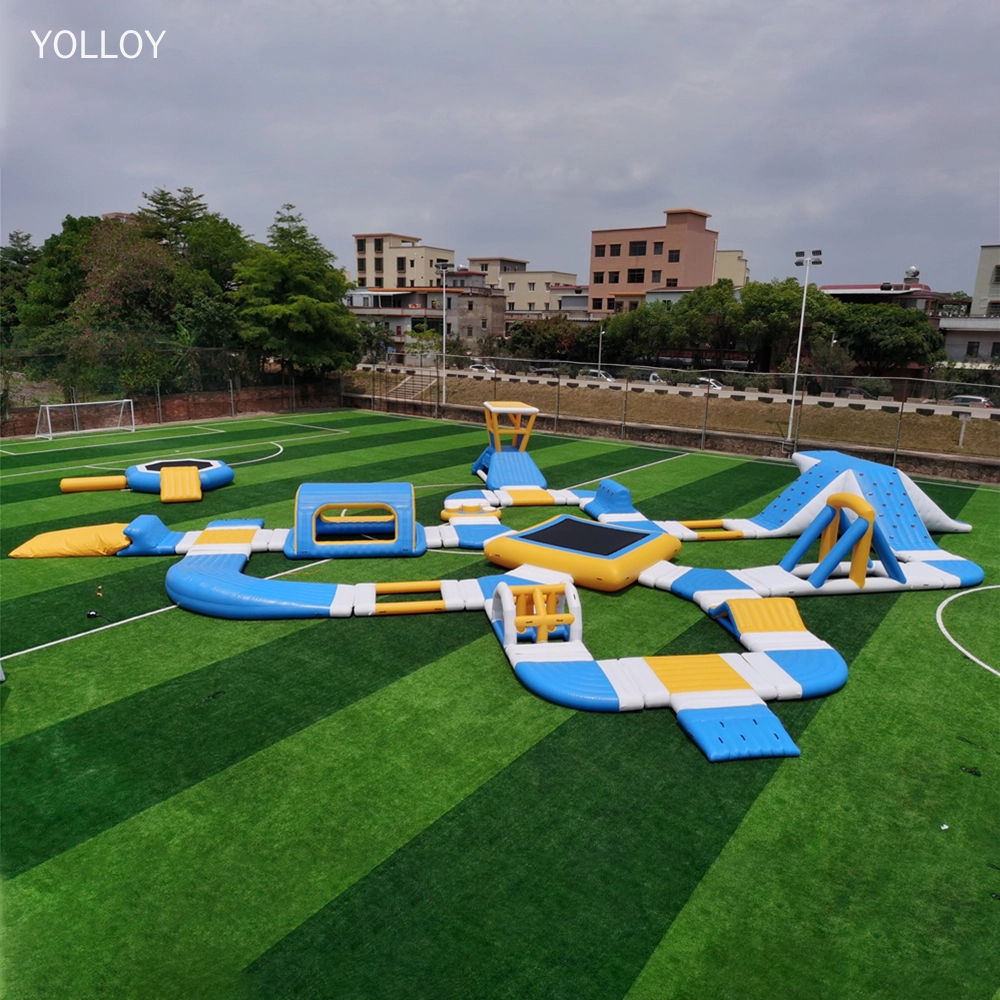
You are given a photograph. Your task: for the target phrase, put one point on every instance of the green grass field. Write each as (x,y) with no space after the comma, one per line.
(368,808)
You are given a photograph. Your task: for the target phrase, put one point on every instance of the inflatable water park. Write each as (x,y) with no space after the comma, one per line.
(872,525)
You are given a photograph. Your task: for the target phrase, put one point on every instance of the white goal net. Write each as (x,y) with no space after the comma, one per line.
(78,418)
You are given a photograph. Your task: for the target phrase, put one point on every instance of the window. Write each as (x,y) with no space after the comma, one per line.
(598,277)
(484,267)
(468,331)
(412,262)
(616,249)
(531,286)
(449,302)
(972,349)
(993,308)
(378,283)
(361,265)
(637,248)
(400,263)
(472,305)
(361,246)
(632,306)
(673,256)
(548,285)
(378,245)
(378,265)
(546,307)
(599,249)
(611,305)
(510,307)
(636,275)
(597,304)
(658,249)
(671,282)
(362,282)
(613,277)
(656,277)
(510,286)
(482,323)
(412,283)
(531,307)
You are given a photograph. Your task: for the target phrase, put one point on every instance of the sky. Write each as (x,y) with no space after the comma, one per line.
(865,129)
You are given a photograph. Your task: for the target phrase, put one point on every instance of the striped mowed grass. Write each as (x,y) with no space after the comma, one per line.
(376,808)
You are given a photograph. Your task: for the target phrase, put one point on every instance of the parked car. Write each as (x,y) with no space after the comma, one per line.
(598,373)
(711,383)
(971,401)
(654,378)
(850,390)
(544,372)
(481,368)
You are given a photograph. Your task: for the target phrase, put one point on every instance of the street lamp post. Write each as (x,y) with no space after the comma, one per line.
(443,268)
(801,258)
(600,345)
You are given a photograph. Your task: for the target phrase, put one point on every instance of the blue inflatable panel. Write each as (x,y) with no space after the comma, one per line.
(240,522)
(968,572)
(706,579)
(150,537)
(742,732)
(314,501)
(475,536)
(819,671)
(514,468)
(467,495)
(573,683)
(483,462)
(215,585)
(611,498)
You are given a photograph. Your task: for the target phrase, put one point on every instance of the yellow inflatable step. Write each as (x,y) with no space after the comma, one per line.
(709,672)
(180,484)
(768,614)
(93,484)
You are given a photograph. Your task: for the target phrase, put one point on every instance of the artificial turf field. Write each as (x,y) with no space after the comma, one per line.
(196,808)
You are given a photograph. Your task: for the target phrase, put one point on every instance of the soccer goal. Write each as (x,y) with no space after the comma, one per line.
(77,418)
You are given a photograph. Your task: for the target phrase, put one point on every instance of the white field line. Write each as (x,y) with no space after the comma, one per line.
(624,472)
(947,634)
(76,446)
(292,439)
(954,486)
(250,461)
(135,618)
(314,427)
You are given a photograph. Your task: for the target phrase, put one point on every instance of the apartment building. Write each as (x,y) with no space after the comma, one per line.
(474,311)
(626,263)
(528,291)
(986,291)
(733,265)
(391,260)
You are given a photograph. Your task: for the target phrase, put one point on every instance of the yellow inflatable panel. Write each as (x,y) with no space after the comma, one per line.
(93,484)
(94,540)
(681,674)
(180,483)
(768,614)
(226,536)
(531,498)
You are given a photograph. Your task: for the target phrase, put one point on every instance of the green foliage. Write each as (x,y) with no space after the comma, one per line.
(639,336)
(883,337)
(552,337)
(16,260)
(166,217)
(291,299)
(709,318)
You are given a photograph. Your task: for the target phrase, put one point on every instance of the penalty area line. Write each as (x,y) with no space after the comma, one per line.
(940,620)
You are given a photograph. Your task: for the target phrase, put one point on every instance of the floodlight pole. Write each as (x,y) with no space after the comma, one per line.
(600,345)
(443,269)
(814,257)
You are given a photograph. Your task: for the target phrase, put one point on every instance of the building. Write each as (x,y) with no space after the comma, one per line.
(391,260)
(474,311)
(626,263)
(528,292)
(733,265)
(975,339)
(986,291)
(908,294)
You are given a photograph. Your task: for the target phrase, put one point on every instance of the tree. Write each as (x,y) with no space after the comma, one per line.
(552,337)
(16,261)
(710,317)
(291,299)
(639,336)
(165,216)
(882,337)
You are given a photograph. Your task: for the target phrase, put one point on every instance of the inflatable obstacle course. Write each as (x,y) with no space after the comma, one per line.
(867,520)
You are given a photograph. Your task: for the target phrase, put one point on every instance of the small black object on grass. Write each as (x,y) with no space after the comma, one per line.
(974,771)
(209,697)
(97,614)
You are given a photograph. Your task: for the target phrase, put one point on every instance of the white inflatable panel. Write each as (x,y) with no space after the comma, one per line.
(713,699)
(707,599)
(433,536)
(660,575)
(763,642)
(538,574)
(278,538)
(763,666)
(261,540)
(762,687)
(342,605)
(547,652)
(364,600)
(678,530)
(630,697)
(183,547)
(654,692)
(472,595)
(452,595)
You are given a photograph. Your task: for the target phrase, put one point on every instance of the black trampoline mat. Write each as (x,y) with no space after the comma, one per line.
(177,463)
(584,536)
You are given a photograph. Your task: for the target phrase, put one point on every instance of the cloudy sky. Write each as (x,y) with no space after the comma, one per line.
(867,128)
